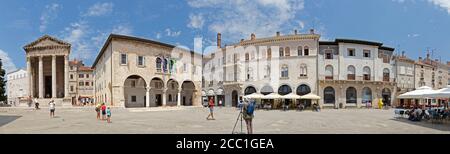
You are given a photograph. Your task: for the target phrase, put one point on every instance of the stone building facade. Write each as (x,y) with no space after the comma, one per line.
(355,73)
(137,72)
(431,73)
(47,67)
(17,86)
(81,83)
(405,77)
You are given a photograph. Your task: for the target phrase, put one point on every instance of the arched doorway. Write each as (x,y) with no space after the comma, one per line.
(351,97)
(249,90)
(284,90)
(386,94)
(329,95)
(367,96)
(172,92)
(187,93)
(303,90)
(234,98)
(134,90)
(156,92)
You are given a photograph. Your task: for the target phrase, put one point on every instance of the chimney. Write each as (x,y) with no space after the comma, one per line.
(278,34)
(253,36)
(311,31)
(295,32)
(219,40)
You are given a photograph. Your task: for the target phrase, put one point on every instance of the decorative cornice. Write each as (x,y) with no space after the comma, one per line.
(277,39)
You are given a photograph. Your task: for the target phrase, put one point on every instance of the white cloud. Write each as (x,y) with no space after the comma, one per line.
(50,13)
(442,3)
(171,33)
(158,35)
(122,29)
(100,9)
(413,35)
(237,19)
(8,64)
(196,21)
(77,35)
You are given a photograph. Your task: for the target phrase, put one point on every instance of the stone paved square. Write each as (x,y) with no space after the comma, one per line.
(192,120)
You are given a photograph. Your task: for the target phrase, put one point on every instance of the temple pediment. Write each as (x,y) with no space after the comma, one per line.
(46,42)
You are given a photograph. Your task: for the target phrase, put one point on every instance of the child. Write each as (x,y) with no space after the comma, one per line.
(108,113)
(97,109)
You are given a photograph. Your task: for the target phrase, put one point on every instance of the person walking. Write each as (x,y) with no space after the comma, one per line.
(108,114)
(97,109)
(220,103)
(36,104)
(211,110)
(103,108)
(51,106)
(248,114)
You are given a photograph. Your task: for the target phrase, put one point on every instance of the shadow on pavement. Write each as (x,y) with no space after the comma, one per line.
(424,123)
(5,119)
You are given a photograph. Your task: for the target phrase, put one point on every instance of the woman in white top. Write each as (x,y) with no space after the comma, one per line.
(52,108)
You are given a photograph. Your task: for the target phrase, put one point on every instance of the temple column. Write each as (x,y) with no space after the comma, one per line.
(164,97)
(66,76)
(41,78)
(179,98)
(147,97)
(30,79)
(54,77)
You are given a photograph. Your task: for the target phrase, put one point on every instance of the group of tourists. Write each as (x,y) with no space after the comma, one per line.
(105,111)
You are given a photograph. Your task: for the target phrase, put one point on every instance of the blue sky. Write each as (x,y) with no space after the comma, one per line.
(410,25)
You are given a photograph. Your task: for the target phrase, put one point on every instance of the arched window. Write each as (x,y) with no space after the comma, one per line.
(303,90)
(306,53)
(285,71)
(249,74)
(351,72)
(281,52)
(287,52)
(284,90)
(269,53)
(158,64)
(366,96)
(267,71)
(329,72)
(351,95)
(299,51)
(329,95)
(386,75)
(249,90)
(366,73)
(247,57)
(303,70)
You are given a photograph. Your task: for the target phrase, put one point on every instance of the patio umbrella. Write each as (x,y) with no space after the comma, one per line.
(291,96)
(272,96)
(310,96)
(442,93)
(254,96)
(417,94)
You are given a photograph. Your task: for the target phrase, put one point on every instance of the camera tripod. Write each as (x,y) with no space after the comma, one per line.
(240,117)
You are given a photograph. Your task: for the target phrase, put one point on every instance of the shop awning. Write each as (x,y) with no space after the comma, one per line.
(442,93)
(254,96)
(272,96)
(417,94)
(291,96)
(310,96)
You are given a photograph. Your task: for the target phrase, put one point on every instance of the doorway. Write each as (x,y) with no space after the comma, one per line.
(158,100)
(48,87)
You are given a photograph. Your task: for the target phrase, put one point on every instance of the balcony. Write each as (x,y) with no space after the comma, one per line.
(366,77)
(386,79)
(328,77)
(351,77)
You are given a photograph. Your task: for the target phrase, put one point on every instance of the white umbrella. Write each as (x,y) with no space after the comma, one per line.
(310,96)
(291,96)
(254,96)
(272,96)
(419,93)
(442,93)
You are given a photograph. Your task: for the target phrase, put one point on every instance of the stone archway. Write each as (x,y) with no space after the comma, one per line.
(134,89)
(187,93)
(157,92)
(172,92)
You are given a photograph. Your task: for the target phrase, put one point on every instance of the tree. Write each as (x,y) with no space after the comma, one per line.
(2,82)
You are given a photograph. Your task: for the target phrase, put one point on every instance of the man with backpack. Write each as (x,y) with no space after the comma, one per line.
(248,114)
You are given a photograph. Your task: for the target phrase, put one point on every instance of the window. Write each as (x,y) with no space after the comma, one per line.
(158,64)
(133,83)
(86,83)
(281,52)
(71,67)
(185,68)
(80,84)
(329,72)
(366,73)
(170,98)
(87,75)
(80,75)
(133,98)
(123,59)
(71,88)
(284,71)
(303,70)
(366,53)
(287,52)
(351,73)
(269,53)
(351,95)
(328,54)
(141,61)
(299,51)
(306,53)
(367,96)
(71,76)
(386,75)
(351,52)
(247,57)
(249,74)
